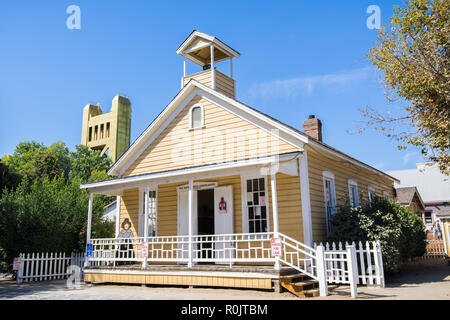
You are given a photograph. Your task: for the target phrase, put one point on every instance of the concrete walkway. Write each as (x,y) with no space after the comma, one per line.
(420,280)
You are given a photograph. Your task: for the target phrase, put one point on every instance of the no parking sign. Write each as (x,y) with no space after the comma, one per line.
(275,244)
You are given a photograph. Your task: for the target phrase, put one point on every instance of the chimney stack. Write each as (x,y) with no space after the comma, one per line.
(313,127)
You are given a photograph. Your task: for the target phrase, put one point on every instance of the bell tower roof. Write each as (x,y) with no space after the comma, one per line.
(197,46)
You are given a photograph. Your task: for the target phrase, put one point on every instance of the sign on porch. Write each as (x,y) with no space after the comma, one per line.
(16,264)
(222,206)
(144,249)
(275,244)
(89,250)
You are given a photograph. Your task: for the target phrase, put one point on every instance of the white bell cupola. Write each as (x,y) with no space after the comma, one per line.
(207,51)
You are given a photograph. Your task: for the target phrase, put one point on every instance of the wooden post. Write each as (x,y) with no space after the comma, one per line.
(273,184)
(89,222)
(352,266)
(146,194)
(191,203)
(213,71)
(321,270)
(231,68)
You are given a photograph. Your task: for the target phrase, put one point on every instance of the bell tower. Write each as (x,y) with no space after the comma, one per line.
(206,51)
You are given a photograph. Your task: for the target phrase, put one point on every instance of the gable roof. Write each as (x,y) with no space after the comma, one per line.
(406,195)
(193,88)
(195,34)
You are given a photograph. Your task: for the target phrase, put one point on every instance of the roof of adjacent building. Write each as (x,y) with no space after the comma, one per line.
(433,186)
(406,195)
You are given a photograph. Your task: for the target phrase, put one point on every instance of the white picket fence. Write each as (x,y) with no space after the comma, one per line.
(47,266)
(366,263)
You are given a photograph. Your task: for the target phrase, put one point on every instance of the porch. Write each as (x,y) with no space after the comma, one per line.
(230,248)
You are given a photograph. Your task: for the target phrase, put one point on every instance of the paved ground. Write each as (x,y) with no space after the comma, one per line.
(422,280)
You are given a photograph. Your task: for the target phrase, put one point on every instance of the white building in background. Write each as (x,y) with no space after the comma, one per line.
(110,212)
(433,186)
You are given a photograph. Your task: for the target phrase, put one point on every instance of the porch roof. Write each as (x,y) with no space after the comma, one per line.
(115,186)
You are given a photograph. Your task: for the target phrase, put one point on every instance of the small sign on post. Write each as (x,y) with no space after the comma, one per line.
(16,264)
(144,249)
(275,244)
(89,250)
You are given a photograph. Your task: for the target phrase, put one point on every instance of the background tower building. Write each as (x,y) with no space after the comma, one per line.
(108,132)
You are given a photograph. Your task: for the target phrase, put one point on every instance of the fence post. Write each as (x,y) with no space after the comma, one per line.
(322,271)
(380,261)
(20,271)
(352,266)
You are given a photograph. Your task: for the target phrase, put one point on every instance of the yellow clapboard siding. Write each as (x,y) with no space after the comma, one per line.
(343,171)
(225,137)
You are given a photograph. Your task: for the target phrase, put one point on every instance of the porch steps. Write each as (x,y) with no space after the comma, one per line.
(301,285)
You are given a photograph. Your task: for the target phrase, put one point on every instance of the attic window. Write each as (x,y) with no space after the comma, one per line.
(196,117)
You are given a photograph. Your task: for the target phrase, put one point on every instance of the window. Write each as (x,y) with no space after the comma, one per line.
(257,212)
(196,117)
(372,194)
(330,197)
(152,214)
(353,193)
(428,217)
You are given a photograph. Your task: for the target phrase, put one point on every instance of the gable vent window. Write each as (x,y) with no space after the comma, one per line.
(196,117)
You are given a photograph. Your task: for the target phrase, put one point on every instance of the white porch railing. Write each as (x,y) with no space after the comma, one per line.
(339,264)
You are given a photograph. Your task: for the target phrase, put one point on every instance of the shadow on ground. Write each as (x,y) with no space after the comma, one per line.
(419,272)
(10,290)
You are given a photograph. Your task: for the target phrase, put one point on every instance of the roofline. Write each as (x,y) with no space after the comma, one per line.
(304,138)
(215,40)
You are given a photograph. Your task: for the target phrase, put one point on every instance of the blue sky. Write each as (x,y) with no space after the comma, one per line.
(297,58)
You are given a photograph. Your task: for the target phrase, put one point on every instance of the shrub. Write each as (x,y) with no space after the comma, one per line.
(401,233)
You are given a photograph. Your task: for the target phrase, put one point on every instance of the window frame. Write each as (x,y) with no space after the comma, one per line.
(353,183)
(202,122)
(245,219)
(370,190)
(327,175)
(140,229)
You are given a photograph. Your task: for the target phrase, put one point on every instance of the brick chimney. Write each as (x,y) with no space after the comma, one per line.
(313,127)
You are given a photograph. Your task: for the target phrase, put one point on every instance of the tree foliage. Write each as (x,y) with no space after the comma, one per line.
(400,232)
(413,55)
(45,210)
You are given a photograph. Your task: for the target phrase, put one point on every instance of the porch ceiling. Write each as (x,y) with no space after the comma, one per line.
(116,186)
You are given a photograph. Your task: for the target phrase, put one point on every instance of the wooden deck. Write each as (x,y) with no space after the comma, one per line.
(238,276)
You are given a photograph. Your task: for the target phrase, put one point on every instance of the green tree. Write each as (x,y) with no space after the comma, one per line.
(401,233)
(413,55)
(87,165)
(8,178)
(36,161)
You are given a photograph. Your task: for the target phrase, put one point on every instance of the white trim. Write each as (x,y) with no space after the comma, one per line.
(352,183)
(202,119)
(306,199)
(328,174)
(244,177)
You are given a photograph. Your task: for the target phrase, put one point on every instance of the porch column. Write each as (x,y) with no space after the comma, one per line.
(273,184)
(306,200)
(191,204)
(144,264)
(117,215)
(213,71)
(88,229)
